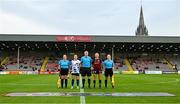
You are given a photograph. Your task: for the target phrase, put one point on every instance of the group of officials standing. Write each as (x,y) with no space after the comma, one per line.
(86,66)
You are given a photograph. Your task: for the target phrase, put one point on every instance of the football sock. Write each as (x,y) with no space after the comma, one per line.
(77,82)
(99,83)
(83,82)
(89,82)
(66,83)
(72,82)
(62,82)
(94,81)
(106,83)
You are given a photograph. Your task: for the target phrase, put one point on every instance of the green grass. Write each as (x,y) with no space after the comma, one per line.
(124,83)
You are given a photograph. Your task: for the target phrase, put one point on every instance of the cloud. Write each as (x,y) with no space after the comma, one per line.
(117,17)
(13,24)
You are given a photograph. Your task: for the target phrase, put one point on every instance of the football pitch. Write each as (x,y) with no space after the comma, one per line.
(167,83)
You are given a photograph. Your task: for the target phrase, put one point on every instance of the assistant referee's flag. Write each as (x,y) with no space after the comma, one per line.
(113,81)
(58,83)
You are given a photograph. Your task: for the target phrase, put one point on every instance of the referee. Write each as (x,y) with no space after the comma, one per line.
(86,63)
(64,69)
(109,66)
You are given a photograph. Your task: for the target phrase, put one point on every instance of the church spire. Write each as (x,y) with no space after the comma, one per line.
(141,29)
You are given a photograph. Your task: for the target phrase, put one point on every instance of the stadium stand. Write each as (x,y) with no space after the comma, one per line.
(35,60)
(175,61)
(30,61)
(120,64)
(151,62)
(43,51)
(52,64)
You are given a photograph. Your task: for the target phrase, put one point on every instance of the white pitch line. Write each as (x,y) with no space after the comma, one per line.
(82,98)
(28,84)
(45,84)
(170,81)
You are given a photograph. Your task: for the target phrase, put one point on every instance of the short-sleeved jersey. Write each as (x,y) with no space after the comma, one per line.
(97,63)
(64,64)
(108,64)
(75,66)
(86,61)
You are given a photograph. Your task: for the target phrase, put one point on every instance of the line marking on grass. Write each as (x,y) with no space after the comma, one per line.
(29,84)
(47,84)
(82,97)
(170,81)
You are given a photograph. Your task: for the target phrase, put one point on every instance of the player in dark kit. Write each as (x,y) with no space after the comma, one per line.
(97,65)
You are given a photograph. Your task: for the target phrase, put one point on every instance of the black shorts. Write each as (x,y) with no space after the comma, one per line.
(108,72)
(97,71)
(86,71)
(76,74)
(64,72)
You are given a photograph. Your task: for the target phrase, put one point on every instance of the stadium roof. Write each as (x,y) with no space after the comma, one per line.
(92,43)
(93,38)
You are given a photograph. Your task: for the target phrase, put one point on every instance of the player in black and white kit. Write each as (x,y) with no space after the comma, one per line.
(75,65)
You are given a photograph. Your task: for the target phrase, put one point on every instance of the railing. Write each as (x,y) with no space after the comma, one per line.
(5,60)
(130,68)
(43,67)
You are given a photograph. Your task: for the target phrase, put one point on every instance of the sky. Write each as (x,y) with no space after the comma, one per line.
(89,17)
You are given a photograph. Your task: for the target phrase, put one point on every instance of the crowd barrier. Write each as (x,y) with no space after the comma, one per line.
(26,72)
(130,72)
(115,72)
(153,72)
